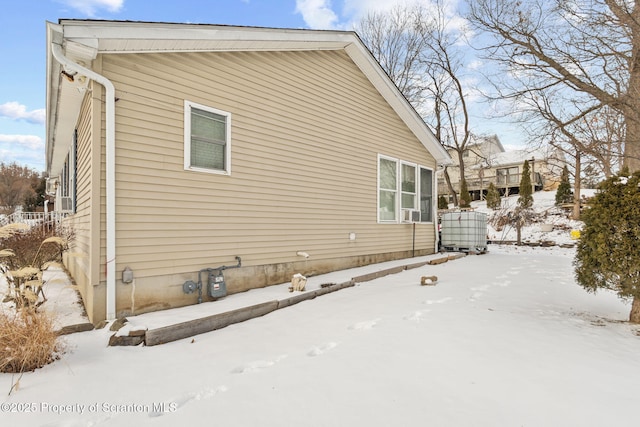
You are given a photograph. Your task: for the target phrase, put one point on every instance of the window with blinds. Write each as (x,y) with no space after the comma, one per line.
(207,142)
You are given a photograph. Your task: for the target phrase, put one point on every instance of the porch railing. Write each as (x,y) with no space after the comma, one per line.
(500,181)
(34,219)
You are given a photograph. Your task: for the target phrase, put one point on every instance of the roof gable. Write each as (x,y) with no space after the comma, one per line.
(83,40)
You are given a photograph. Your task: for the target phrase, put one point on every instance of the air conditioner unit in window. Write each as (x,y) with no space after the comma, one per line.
(410,215)
(66,204)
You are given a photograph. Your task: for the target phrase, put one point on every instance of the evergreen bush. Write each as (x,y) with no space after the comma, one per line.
(607,255)
(493,197)
(564,193)
(525,201)
(442,202)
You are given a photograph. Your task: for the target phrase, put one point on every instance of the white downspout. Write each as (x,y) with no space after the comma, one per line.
(439,169)
(110,116)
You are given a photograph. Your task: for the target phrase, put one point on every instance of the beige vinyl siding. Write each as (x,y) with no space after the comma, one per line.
(82,253)
(307,128)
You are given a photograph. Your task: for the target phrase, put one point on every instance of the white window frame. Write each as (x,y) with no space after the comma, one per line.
(396,192)
(399,193)
(433,193)
(188,106)
(415,183)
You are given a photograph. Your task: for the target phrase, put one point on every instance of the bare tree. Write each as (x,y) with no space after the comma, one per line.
(592,137)
(17,183)
(398,39)
(602,133)
(439,117)
(569,133)
(444,70)
(577,56)
(420,50)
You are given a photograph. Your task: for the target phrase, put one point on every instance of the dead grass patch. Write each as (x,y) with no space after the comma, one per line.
(28,341)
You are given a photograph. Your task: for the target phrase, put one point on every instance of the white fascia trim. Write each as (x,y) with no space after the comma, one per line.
(155,32)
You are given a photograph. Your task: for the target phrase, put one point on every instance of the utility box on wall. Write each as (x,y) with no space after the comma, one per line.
(464,231)
(216,284)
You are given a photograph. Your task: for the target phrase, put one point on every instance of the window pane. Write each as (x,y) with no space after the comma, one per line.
(207,154)
(408,178)
(388,174)
(207,125)
(208,139)
(408,201)
(501,176)
(514,176)
(426,195)
(387,205)
(408,187)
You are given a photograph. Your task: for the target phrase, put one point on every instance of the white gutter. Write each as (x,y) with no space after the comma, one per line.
(110,116)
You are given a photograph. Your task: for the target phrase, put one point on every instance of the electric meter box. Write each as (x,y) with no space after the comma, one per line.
(217,287)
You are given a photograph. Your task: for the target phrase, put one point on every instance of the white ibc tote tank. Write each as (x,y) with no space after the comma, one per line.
(464,231)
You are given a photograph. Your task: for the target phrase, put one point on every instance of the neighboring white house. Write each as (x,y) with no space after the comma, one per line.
(487,161)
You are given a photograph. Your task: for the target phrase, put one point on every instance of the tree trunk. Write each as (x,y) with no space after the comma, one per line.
(450,186)
(631,105)
(634,316)
(576,189)
(519,223)
(461,165)
(631,157)
(533,175)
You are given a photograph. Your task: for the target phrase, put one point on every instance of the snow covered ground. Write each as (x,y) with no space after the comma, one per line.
(544,206)
(503,339)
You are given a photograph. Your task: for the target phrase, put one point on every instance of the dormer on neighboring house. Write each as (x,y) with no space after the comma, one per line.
(479,150)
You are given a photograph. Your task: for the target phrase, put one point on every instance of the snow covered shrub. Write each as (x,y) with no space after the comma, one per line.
(499,220)
(607,255)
